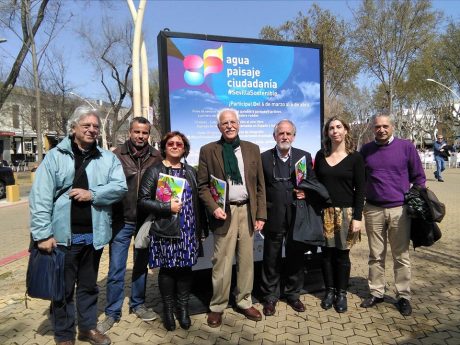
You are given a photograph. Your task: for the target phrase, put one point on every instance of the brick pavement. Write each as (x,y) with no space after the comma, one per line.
(435,319)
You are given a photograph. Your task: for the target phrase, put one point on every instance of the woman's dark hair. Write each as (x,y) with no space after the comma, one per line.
(170,135)
(349,144)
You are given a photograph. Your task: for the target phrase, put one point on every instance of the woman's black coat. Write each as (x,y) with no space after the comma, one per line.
(147,204)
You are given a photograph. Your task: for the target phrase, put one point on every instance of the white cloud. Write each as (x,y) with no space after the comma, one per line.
(285,93)
(310,91)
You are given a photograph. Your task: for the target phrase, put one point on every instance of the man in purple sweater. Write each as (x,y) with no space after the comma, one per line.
(392,165)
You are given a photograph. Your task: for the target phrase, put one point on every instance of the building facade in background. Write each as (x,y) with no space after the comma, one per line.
(18,123)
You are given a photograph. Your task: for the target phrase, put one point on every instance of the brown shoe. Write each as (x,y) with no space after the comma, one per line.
(214,319)
(269,308)
(66,342)
(297,305)
(251,313)
(94,337)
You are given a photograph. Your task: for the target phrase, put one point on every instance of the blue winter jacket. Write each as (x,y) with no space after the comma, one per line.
(50,217)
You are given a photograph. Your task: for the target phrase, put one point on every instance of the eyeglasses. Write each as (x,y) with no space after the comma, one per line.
(280,179)
(178,144)
(229,123)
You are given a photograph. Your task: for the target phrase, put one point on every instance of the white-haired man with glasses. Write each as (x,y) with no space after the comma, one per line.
(280,182)
(70,211)
(237,162)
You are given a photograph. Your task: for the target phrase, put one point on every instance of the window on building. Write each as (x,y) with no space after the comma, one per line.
(28,146)
(15,115)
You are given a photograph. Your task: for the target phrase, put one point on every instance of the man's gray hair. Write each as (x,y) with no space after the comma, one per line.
(230,110)
(78,114)
(389,116)
(275,129)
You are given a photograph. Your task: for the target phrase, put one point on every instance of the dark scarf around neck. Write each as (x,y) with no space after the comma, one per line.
(232,171)
(137,152)
(91,152)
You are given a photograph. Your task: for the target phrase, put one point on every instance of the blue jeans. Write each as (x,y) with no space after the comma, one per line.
(119,247)
(139,278)
(439,166)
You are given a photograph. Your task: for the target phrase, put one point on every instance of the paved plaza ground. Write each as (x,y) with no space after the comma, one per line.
(435,299)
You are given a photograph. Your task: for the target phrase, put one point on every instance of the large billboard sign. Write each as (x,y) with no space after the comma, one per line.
(266,81)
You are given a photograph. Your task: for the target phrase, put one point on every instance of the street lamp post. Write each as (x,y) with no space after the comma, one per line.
(448,88)
(444,86)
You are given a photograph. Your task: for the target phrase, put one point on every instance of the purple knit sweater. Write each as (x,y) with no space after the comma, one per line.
(390,170)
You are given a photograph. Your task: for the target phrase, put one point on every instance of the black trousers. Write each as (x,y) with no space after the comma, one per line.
(81,265)
(272,266)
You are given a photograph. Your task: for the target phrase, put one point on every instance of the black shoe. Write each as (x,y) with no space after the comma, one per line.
(340,303)
(371,301)
(183,317)
(297,305)
(168,318)
(435,175)
(328,299)
(269,308)
(404,307)
(440,180)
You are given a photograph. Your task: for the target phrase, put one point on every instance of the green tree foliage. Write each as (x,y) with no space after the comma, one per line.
(389,35)
(358,110)
(449,55)
(322,27)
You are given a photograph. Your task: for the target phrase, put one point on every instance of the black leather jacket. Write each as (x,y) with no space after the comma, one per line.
(147,204)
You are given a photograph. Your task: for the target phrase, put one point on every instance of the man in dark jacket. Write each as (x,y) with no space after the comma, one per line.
(280,184)
(440,154)
(135,155)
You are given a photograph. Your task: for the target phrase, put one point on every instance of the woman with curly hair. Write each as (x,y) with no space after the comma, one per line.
(341,169)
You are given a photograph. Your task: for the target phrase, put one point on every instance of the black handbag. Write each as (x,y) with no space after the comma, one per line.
(168,227)
(45,275)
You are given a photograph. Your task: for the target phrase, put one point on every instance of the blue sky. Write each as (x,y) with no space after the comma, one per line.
(225,18)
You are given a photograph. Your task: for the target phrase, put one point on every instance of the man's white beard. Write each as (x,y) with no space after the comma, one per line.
(284,146)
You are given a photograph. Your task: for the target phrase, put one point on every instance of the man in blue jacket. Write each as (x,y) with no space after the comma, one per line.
(70,207)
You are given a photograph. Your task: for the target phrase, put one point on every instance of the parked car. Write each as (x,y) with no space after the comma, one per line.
(6,179)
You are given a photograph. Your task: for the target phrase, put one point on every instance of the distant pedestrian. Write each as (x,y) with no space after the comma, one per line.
(440,156)
(392,165)
(70,209)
